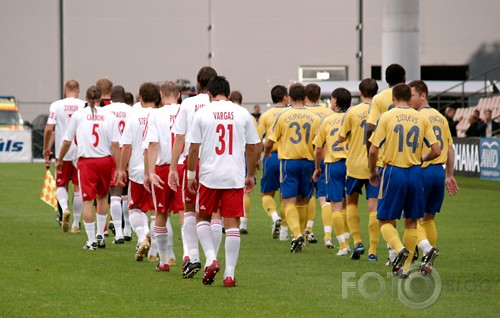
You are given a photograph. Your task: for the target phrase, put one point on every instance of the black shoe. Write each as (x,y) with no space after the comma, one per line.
(243,231)
(357,251)
(91,247)
(426,266)
(297,244)
(112,228)
(191,269)
(127,238)
(416,255)
(277,228)
(311,238)
(59,218)
(119,241)
(101,243)
(399,261)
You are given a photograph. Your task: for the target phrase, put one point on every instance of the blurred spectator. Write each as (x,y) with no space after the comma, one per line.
(256,112)
(473,130)
(449,113)
(488,126)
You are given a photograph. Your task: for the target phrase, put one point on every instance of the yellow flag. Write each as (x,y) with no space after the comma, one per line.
(48,194)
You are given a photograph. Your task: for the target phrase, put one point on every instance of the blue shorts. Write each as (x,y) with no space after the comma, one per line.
(401,189)
(296,178)
(434,183)
(321,184)
(270,181)
(335,181)
(353,185)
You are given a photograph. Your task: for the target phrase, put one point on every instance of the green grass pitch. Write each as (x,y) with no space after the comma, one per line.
(46,273)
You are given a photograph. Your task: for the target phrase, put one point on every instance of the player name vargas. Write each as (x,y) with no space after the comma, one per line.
(223,115)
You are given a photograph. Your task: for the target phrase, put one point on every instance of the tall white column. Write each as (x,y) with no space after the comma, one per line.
(401,36)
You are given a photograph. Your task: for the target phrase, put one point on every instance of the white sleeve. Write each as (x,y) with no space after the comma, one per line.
(195,135)
(251,135)
(70,133)
(180,124)
(127,136)
(52,120)
(115,130)
(151,133)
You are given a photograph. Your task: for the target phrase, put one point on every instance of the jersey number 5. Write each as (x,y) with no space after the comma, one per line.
(221,131)
(95,134)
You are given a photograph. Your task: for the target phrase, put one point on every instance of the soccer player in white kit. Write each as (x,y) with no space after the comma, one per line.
(60,114)
(159,142)
(140,200)
(94,131)
(119,197)
(226,132)
(190,265)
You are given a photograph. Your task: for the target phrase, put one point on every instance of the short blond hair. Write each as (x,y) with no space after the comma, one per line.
(169,89)
(72,86)
(104,84)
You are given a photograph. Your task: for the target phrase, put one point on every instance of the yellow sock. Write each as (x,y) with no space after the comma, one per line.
(293,219)
(344,217)
(391,236)
(338,228)
(268,204)
(374,231)
(409,241)
(247,205)
(326,216)
(303,216)
(430,231)
(420,233)
(353,222)
(283,214)
(311,213)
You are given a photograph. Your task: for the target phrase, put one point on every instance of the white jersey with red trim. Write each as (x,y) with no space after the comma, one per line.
(186,113)
(121,111)
(223,129)
(159,130)
(60,114)
(94,132)
(133,135)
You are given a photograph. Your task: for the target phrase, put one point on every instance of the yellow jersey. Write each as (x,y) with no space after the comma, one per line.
(381,103)
(403,132)
(354,129)
(266,123)
(320,110)
(327,138)
(294,131)
(442,132)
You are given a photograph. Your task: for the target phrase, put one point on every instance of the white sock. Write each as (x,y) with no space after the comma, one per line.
(77,208)
(232,251)
(191,235)
(347,235)
(62,197)
(90,229)
(170,241)
(392,253)
(154,247)
(341,238)
(216,226)
(161,241)
(115,208)
(310,223)
(275,216)
(185,251)
(425,246)
(243,223)
(127,229)
(207,241)
(137,224)
(101,222)
(328,229)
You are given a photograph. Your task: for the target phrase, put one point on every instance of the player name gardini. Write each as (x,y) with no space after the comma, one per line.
(223,115)
(299,116)
(409,118)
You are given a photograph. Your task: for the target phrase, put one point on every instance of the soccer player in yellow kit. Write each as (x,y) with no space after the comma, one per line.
(354,131)
(270,181)
(335,154)
(382,102)
(403,132)
(313,95)
(294,130)
(434,175)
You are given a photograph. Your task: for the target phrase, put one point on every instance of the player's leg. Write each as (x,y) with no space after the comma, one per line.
(77,201)
(216,226)
(270,183)
(127,228)
(103,172)
(161,234)
(62,180)
(87,181)
(190,231)
(115,208)
(208,201)
(153,250)
(326,217)
(373,225)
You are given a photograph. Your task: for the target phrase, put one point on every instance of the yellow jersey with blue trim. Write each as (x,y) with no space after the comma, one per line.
(354,130)
(403,131)
(266,123)
(294,131)
(381,103)
(327,138)
(320,110)
(443,135)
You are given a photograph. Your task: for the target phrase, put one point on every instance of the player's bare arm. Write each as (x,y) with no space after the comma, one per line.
(251,158)
(120,173)
(318,155)
(173,175)
(194,151)
(369,131)
(451,183)
(152,156)
(372,164)
(433,154)
(64,150)
(268,147)
(48,141)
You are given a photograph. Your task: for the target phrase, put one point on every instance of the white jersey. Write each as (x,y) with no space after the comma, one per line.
(121,111)
(94,132)
(223,129)
(133,135)
(186,113)
(159,130)
(60,114)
